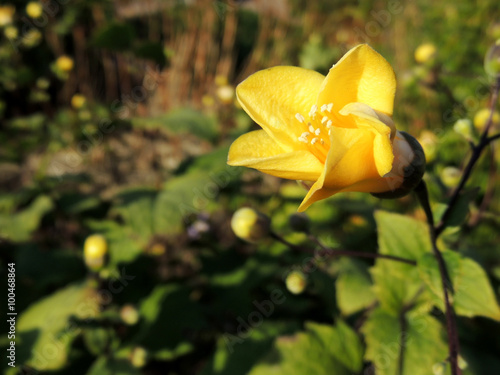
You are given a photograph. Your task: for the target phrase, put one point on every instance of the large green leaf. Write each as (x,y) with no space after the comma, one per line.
(354,287)
(396,283)
(18,227)
(473,294)
(322,349)
(44,330)
(415,342)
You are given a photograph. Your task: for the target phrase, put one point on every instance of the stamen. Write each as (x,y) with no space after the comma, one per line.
(314,140)
(324,119)
(329,132)
(324,108)
(311,128)
(322,141)
(299,118)
(329,107)
(313,111)
(317,131)
(305,134)
(329,124)
(301,139)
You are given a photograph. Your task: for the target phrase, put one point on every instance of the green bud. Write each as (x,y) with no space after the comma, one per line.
(139,357)
(450,176)
(129,314)
(463,127)
(492,60)
(250,225)
(296,282)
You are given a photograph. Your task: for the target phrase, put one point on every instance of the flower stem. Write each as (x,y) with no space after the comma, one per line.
(476,153)
(451,325)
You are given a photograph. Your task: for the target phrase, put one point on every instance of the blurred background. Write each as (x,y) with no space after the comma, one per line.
(115,121)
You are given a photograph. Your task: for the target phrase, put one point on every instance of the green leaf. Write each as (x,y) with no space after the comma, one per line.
(236,354)
(18,227)
(354,287)
(44,331)
(322,349)
(168,315)
(112,366)
(473,295)
(396,283)
(420,343)
(152,51)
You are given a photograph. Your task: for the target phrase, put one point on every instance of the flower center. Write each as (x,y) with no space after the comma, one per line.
(318,128)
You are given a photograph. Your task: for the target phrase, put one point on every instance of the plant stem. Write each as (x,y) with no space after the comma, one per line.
(451,325)
(337,252)
(476,153)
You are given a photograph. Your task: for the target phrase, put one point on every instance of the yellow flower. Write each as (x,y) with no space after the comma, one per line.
(34,9)
(335,132)
(6,14)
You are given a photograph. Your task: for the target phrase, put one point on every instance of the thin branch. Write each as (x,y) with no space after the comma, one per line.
(336,252)
(451,325)
(493,138)
(476,153)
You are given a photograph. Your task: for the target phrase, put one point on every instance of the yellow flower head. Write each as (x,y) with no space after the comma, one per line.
(425,53)
(335,132)
(6,14)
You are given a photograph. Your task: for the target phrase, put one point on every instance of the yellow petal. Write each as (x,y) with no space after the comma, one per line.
(362,75)
(316,193)
(273,97)
(258,150)
(383,128)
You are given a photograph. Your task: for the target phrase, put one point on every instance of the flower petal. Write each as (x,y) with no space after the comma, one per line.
(383,128)
(362,75)
(258,150)
(273,97)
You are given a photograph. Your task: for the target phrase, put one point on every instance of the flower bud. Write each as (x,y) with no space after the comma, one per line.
(225,94)
(129,314)
(481,118)
(34,9)
(95,250)
(250,225)
(299,222)
(425,53)
(64,63)
(6,14)
(492,60)
(428,141)
(463,127)
(139,357)
(462,363)
(296,282)
(439,368)
(408,167)
(11,32)
(450,176)
(78,101)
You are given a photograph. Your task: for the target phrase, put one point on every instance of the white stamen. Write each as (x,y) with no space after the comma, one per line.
(329,132)
(329,107)
(324,108)
(329,124)
(322,141)
(299,117)
(314,140)
(324,119)
(303,139)
(313,111)
(317,131)
(305,134)
(311,128)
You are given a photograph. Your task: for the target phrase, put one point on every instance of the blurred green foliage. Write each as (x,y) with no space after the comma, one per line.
(143,163)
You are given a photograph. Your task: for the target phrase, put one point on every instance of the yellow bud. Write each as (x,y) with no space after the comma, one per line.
(34,9)
(463,127)
(129,314)
(438,368)
(64,63)
(425,53)
(95,249)
(6,14)
(139,357)
(481,118)
(492,60)
(11,32)
(428,141)
(450,176)
(250,225)
(296,282)
(78,101)
(225,94)
(462,363)
(32,38)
